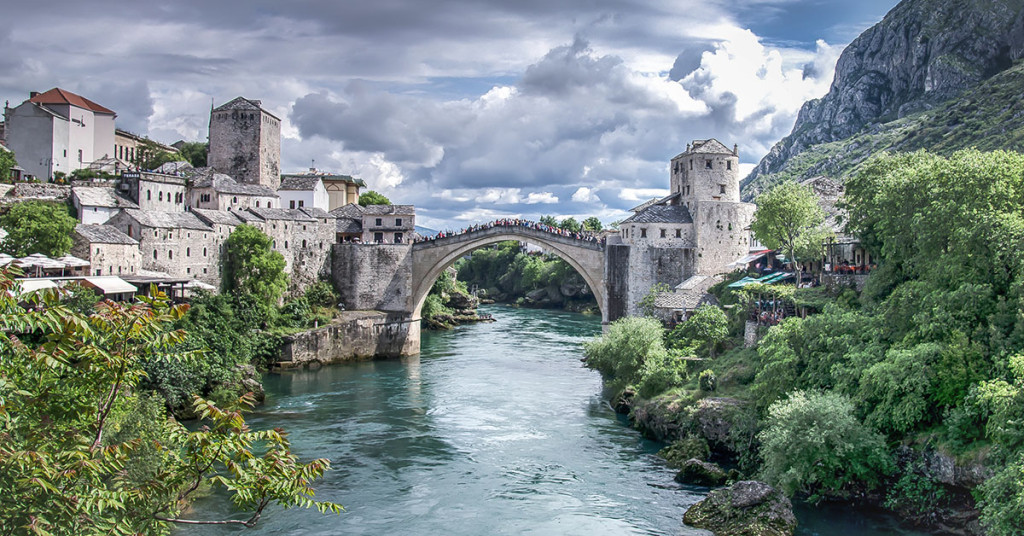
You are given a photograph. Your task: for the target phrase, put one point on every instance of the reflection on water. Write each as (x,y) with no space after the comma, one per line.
(493,429)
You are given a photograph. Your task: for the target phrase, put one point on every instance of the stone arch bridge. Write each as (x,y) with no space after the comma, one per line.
(396,278)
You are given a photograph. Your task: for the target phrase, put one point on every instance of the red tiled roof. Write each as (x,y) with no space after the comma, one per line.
(62,96)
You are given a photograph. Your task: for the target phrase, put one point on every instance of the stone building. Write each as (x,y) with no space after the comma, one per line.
(108,250)
(177,243)
(298,191)
(216,191)
(155,191)
(126,146)
(342,190)
(97,204)
(302,236)
(689,238)
(388,224)
(349,223)
(58,131)
(245,143)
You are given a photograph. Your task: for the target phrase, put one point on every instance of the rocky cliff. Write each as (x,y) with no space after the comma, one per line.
(922,55)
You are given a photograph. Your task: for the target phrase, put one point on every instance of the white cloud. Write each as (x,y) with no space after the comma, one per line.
(585,195)
(546,198)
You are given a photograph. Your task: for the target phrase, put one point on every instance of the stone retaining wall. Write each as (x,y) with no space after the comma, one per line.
(354,336)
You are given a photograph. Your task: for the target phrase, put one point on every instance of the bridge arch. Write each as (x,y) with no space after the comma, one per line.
(432,257)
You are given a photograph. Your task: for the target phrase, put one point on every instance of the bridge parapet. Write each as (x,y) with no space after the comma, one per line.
(522,232)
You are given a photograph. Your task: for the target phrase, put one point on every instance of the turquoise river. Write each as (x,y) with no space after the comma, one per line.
(493,429)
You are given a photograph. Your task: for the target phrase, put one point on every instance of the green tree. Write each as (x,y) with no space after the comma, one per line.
(252,267)
(813,443)
(149,155)
(7,163)
(194,152)
(788,218)
(708,325)
(646,304)
(620,354)
(371,197)
(37,227)
(570,224)
(82,451)
(550,221)
(592,224)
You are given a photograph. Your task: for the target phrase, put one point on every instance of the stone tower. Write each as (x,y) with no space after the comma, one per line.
(707,171)
(245,143)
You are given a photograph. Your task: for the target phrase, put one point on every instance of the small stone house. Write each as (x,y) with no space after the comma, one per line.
(155,191)
(108,250)
(177,243)
(303,236)
(96,205)
(349,225)
(388,224)
(300,191)
(216,191)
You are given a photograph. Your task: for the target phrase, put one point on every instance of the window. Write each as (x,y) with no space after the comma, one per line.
(643,233)
(204,252)
(398,238)
(398,222)
(679,233)
(285,244)
(257,204)
(291,204)
(170,255)
(303,243)
(130,230)
(378,222)
(691,164)
(160,196)
(149,195)
(79,155)
(99,271)
(707,163)
(188,252)
(188,270)
(65,153)
(234,199)
(662,233)
(156,234)
(97,251)
(301,203)
(728,164)
(154,254)
(378,237)
(721,188)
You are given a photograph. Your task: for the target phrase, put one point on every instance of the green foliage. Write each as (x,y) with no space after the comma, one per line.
(37,227)
(813,443)
(322,294)
(632,353)
(550,221)
(194,152)
(149,155)
(371,197)
(707,381)
(914,493)
(708,326)
(7,163)
(592,224)
(252,267)
(79,298)
(1002,499)
(570,224)
(691,447)
(646,304)
(789,219)
(82,451)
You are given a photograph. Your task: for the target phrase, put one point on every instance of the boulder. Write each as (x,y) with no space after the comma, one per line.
(701,473)
(747,508)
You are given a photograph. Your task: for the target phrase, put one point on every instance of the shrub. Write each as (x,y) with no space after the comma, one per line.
(812,443)
(707,381)
(620,354)
(690,447)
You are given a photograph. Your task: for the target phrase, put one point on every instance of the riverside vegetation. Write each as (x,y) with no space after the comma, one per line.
(856,400)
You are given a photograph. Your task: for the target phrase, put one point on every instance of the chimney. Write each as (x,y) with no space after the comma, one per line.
(735,148)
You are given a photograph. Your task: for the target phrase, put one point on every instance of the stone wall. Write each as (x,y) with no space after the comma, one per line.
(649,266)
(354,336)
(107,259)
(616,269)
(373,276)
(721,234)
(836,282)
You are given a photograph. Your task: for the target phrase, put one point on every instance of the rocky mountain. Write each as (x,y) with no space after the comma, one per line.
(906,74)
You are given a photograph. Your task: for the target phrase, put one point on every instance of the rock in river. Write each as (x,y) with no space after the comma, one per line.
(746,508)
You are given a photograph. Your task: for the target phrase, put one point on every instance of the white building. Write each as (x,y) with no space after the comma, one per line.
(303,191)
(58,131)
(97,204)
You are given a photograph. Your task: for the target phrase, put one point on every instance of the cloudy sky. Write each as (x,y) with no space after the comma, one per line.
(469,109)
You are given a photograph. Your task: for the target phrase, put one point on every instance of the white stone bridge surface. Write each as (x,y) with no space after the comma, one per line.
(431,257)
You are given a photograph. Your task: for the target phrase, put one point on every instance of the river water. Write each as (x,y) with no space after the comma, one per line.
(493,429)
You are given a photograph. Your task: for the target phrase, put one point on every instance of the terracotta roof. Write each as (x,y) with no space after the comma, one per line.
(62,96)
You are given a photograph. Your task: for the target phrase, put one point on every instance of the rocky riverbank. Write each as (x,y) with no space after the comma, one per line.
(723,430)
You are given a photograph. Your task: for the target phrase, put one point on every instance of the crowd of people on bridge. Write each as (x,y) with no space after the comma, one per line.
(586,236)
